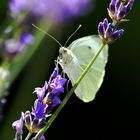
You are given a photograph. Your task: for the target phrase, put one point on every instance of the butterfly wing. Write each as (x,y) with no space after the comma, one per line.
(84,49)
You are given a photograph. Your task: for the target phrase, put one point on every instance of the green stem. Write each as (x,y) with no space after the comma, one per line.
(28,136)
(43,130)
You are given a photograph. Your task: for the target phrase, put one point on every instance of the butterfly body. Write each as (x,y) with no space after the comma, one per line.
(75,59)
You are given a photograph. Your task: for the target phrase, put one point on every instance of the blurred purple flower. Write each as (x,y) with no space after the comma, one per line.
(13,46)
(54,9)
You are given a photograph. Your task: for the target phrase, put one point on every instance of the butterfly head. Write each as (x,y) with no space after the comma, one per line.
(65,55)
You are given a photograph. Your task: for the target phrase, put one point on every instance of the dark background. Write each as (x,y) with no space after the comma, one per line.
(115,112)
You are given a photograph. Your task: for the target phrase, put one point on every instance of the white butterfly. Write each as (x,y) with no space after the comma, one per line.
(74,60)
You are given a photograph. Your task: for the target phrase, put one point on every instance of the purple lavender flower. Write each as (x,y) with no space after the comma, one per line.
(54,9)
(52,100)
(108,32)
(18,125)
(54,74)
(57,84)
(48,95)
(39,110)
(119,9)
(36,120)
(27,119)
(33,124)
(14,46)
(41,91)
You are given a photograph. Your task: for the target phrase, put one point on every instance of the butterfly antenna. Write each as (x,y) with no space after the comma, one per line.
(47,34)
(73,34)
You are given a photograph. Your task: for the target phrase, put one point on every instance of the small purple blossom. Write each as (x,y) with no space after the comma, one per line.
(14,46)
(52,100)
(108,32)
(41,91)
(54,74)
(55,101)
(39,110)
(28,119)
(119,9)
(18,125)
(57,84)
(48,95)
(33,124)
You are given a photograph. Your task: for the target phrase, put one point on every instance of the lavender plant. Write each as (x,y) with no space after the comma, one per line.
(37,121)
(47,99)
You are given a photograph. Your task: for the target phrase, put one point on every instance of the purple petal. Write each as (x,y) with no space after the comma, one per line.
(110,29)
(117,34)
(54,74)
(57,84)
(129,6)
(18,125)
(39,110)
(27,38)
(122,13)
(101,30)
(112,6)
(28,119)
(55,101)
(41,91)
(105,23)
(118,4)
(42,123)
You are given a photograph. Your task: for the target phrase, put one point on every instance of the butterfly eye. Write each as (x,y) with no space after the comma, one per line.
(64,51)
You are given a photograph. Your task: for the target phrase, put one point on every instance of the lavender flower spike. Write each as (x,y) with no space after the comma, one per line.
(119,9)
(108,33)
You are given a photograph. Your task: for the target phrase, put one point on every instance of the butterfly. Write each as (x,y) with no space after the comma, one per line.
(75,58)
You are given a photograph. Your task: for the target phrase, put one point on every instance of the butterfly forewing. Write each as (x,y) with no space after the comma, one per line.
(84,49)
